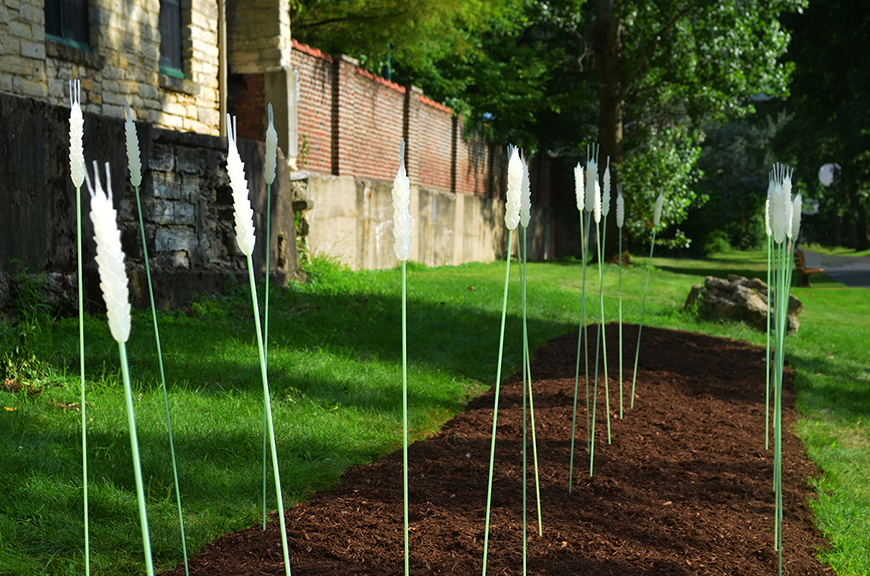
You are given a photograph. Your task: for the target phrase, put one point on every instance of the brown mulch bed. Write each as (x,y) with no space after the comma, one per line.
(684,488)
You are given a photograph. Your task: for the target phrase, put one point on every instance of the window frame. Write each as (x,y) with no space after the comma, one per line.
(66,11)
(165,63)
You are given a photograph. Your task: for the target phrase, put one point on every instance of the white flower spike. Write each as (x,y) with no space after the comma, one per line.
(525,197)
(110,257)
(657,215)
(605,194)
(592,186)
(271,148)
(244,214)
(778,217)
(514,189)
(620,207)
(76,131)
(578,186)
(133,156)
(796,217)
(401,210)
(596,204)
(786,190)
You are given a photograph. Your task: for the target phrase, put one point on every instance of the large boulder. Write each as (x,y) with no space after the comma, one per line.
(739,299)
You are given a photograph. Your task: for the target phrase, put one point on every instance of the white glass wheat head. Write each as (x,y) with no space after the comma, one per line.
(244,214)
(796,217)
(525,197)
(578,186)
(657,215)
(767,214)
(620,207)
(786,181)
(605,193)
(271,148)
(76,132)
(778,217)
(514,189)
(596,204)
(402,210)
(133,157)
(110,257)
(592,186)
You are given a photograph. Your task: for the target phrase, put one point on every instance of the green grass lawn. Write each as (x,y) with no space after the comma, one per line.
(335,374)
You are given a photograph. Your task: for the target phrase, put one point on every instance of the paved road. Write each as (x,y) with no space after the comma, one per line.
(853,271)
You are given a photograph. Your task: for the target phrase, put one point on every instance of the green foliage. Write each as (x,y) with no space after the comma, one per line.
(375,31)
(735,161)
(702,58)
(663,163)
(17,339)
(683,66)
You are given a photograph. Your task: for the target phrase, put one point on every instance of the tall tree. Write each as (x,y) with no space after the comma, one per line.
(665,66)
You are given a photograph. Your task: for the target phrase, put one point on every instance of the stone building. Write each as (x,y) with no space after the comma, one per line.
(169,59)
(173,62)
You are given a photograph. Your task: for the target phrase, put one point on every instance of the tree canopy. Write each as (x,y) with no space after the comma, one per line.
(413,33)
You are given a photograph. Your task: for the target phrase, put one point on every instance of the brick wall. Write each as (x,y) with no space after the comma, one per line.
(351,122)
(472,162)
(122,65)
(246,99)
(430,142)
(378,109)
(314,73)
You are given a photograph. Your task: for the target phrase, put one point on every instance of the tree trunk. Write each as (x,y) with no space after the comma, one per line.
(608,48)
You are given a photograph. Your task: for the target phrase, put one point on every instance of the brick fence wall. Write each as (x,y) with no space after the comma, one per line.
(351,122)
(314,72)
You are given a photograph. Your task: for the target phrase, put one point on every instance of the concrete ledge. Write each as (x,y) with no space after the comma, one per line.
(69,53)
(181,85)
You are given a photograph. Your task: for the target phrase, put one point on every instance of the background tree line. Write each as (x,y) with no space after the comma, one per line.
(695,98)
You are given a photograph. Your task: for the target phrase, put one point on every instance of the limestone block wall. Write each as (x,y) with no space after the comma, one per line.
(352,221)
(122,65)
(259,38)
(186,200)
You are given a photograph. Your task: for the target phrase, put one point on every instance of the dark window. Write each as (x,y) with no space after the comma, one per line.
(67,21)
(170,38)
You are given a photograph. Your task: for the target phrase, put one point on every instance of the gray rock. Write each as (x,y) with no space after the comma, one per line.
(739,299)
